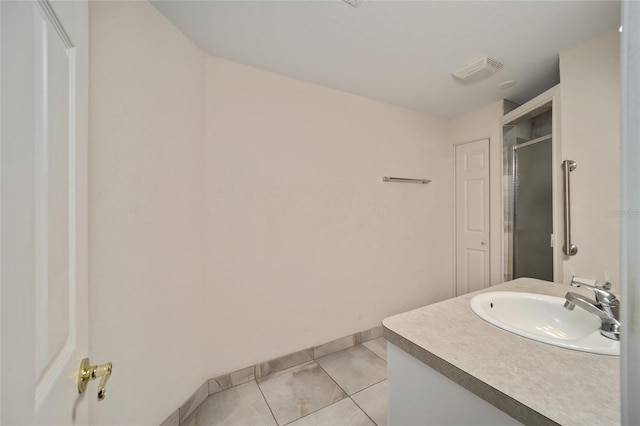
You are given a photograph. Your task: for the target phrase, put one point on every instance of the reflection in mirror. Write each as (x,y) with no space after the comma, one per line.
(528,195)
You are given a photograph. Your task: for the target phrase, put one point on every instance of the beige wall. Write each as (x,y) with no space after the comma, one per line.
(305,243)
(590,76)
(146,212)
(237,215)
(484,123)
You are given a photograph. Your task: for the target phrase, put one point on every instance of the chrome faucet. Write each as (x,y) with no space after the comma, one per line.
(606,306)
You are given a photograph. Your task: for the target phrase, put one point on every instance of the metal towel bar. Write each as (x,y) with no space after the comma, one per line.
(569,249)
(404,180)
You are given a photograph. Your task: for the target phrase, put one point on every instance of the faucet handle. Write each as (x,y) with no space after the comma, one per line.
(611,329)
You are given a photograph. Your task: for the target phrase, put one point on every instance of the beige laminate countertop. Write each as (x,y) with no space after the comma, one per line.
(533,382)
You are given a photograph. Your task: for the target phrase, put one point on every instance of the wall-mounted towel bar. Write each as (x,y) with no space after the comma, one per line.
(404,180)
(567,167)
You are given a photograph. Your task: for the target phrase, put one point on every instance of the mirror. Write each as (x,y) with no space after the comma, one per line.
(528,193)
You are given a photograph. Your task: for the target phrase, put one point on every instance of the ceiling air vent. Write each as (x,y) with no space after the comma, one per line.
(479,69)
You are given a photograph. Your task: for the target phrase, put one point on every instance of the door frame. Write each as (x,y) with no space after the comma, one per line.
(630,197)
(552,95)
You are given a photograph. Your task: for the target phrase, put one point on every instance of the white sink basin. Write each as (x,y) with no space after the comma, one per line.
(544,319)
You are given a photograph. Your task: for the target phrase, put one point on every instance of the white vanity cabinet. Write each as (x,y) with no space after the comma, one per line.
(419,395)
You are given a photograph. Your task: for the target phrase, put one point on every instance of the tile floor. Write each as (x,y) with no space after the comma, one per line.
(348,387)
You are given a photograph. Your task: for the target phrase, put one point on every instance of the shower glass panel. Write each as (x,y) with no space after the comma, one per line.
(528,195)
(532,211)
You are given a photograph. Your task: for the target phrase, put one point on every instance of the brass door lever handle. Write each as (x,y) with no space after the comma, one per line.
(88,372)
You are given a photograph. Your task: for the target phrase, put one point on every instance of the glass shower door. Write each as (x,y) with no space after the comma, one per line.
(532,210)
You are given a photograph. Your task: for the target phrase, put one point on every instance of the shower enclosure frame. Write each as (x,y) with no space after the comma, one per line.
(549,99)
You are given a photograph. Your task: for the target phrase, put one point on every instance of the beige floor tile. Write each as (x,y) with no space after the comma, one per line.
(341,413)
(374,401)
(355,368)
(379,346)
(298,391)
(240,405)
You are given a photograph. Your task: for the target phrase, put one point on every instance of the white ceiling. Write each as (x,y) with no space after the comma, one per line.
(399,52)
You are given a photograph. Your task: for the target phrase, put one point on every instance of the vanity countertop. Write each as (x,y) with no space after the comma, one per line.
(533,382)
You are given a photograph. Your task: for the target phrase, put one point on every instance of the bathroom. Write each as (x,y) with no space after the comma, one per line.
(237,215)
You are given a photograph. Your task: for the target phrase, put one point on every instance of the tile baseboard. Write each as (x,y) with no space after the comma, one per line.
(282,363)
(264,369)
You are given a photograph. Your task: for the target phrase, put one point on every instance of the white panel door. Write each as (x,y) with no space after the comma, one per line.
(43,211)
(472,216)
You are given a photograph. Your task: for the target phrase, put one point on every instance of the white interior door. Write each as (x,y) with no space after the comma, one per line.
(43,211)
(472,216)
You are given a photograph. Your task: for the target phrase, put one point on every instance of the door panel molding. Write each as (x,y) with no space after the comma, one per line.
(472,216)
(43,210)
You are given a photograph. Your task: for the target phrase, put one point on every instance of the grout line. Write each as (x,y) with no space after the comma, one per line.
(315,411)
(358,405)
(326,406)
(329,374)
(362,409)
(370,386)
(308,414)
(351,396)
(266,402)
(333,380)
